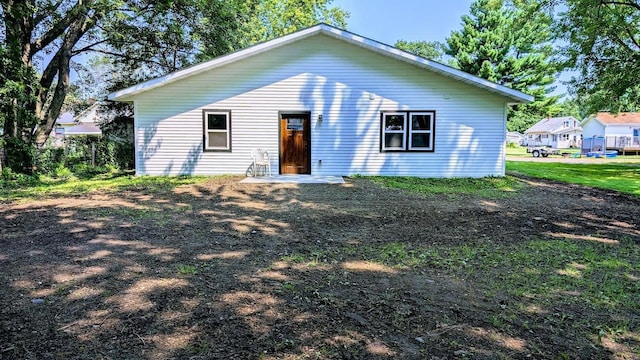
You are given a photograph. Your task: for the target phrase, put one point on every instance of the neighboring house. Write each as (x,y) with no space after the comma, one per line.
(617,131)
(515,138)
(321,101)
(85,124)
(561,133)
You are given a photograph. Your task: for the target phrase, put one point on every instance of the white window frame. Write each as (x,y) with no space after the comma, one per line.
(407,131)
(392,131)
(432,124)
(207,131)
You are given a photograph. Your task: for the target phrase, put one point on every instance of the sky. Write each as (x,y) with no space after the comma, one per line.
(388,21)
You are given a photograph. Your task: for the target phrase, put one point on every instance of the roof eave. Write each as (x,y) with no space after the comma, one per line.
(126,94)
(515,97)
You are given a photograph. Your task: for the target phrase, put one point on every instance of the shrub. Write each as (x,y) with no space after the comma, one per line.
(11,179)
(50,159)
(20,155)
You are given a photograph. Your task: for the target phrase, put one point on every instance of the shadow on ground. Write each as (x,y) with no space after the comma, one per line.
(264,271)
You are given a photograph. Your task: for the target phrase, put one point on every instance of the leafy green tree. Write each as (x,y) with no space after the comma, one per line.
(509,42)
(138,39)
(431,50)
(143,37)
(131,41)
(603,44)
(267,19)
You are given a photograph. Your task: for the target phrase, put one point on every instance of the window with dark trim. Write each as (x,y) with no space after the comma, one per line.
(217,130)
(407,130)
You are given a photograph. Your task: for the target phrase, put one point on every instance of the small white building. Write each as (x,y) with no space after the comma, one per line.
(620,131)
(515,137)
(559,132)
(83,124)
(321,101)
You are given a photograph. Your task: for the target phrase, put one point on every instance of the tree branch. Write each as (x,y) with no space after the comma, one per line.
(88,47)
(57,29)
(632,38)
(38,18)
(127,57)
(77,29)
(623,3)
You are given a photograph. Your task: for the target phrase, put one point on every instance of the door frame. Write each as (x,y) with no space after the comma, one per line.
(307,131)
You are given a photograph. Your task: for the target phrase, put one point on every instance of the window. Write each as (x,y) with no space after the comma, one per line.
(295,124)
(217,130)
(407,131)
(393,129)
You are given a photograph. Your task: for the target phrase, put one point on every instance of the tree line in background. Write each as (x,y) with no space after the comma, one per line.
(527,44)
(112,44)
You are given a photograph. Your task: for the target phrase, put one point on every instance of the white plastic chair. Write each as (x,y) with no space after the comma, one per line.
(261,159)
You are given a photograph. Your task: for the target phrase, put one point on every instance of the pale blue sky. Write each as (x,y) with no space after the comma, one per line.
(387,21)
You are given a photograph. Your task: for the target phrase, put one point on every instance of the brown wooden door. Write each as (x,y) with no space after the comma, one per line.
(295,147)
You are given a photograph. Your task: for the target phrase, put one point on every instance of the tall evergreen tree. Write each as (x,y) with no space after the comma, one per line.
(509,42)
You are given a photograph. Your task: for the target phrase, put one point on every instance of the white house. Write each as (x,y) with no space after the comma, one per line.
(322,101)
(620,131)
(84,124)
(515,138)
(560,132)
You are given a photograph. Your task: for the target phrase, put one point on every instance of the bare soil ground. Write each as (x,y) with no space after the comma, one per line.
(222,270)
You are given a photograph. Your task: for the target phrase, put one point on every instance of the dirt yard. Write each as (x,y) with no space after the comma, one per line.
(222,270)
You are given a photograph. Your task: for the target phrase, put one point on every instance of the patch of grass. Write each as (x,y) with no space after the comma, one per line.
(610,176)
(187,269)
(199,347)
(489,187)
(520,151)
(539,274)
(598,275)
(111,182)
(288,287)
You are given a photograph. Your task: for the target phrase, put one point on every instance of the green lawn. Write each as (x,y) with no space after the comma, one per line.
(522,151)
(110,182)
(623,177)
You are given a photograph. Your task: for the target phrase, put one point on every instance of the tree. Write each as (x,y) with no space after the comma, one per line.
(49,33)
(431,50)
(509,42)
(267,19)
(603,44)
(137,38)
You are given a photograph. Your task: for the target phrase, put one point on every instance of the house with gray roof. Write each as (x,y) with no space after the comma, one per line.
(559,132)
(83,124)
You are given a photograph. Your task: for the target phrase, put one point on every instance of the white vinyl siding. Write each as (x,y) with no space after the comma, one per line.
(349,86)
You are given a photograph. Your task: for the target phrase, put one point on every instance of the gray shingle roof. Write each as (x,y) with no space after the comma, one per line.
(549,125)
